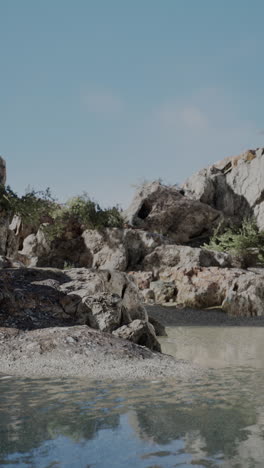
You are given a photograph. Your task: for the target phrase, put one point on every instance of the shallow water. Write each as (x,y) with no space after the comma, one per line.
(216,347)
(216,419)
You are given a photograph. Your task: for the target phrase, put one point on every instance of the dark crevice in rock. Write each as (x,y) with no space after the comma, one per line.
(123,291)
(144,211)
(109,276)
(260,199)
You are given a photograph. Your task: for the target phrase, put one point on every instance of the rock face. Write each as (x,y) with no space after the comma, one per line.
(158,208)
(40,298)
(93,288)
(184,257)
(185,275)
(113,249)
(2,171)
(139,332)
(234,186)
(245,297)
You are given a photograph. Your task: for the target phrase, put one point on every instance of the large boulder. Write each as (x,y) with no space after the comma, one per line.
(140,332)
(165,210)
(182,256)
(234,186)
(245,297)
(120,249)
(107,249)
(201,287)
(106,312)
(195,287)
(33,298)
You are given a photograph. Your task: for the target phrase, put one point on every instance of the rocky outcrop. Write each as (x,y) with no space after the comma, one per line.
(245,297)
(234,186)
(93,288)
(113,249)
(140,332)
(163,209)
(166,256)
(197,287)
(185,275)
(238,292)
(2,171)
(202,287)
(39,298)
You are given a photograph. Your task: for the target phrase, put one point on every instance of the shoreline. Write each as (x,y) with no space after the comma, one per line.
(172,316)
(81,352)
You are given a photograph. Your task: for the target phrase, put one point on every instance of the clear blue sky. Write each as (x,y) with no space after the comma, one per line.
(97,95)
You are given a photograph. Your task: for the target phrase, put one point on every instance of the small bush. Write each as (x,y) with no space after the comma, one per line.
(36,208)
(90,215)
(239,241)
(33,207)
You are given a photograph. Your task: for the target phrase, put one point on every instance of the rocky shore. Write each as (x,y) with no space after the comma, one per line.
(82,352)
(89,301)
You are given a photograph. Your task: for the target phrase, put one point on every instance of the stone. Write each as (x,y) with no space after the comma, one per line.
(147,296)
(182,256)
(4,224)
(164,291)
(158,327)
(234,186)
(2,171)
(119,249)
(106,312)
(36,298)
(106,248)
(163,209)
(201,287)
(140,332)
(245,297)
(120,284)
(141,278)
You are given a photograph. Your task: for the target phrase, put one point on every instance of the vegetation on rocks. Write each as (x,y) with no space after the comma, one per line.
(38,207)
(243,242)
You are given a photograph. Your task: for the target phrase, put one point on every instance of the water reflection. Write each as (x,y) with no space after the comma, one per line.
(217,420)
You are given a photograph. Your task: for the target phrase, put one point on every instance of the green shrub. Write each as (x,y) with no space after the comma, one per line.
(36,208)
(239,241)
(32,207)
(81,212)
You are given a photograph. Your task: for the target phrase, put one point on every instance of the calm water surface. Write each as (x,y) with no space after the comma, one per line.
(213,420)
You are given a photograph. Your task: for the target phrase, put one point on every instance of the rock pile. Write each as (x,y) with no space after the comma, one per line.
(158,257)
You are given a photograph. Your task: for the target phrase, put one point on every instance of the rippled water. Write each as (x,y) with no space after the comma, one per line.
(210,421)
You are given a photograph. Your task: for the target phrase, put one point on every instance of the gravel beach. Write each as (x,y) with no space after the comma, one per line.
(82,352)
